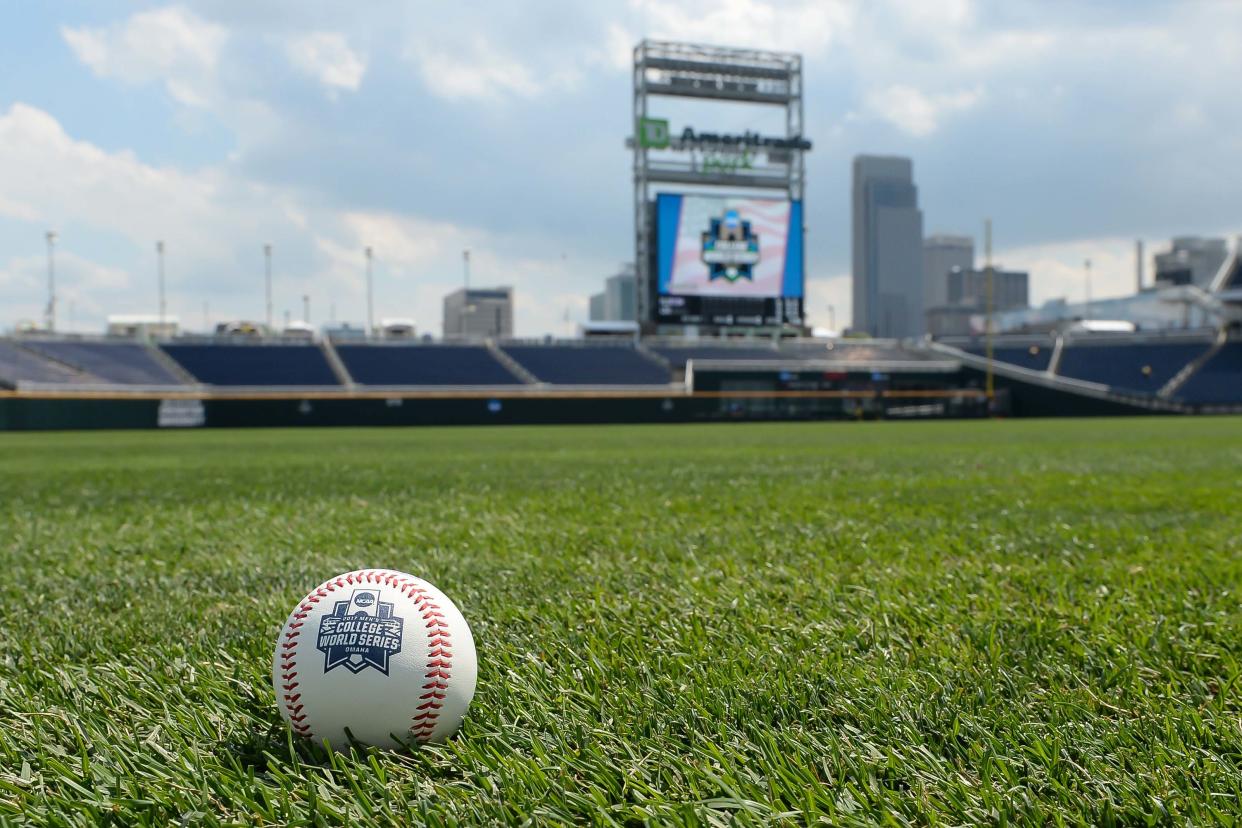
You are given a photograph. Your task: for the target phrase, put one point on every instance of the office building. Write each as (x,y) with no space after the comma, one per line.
(942,253)
(479,313)
(1010,288)
(887,248)
(616,303)
(1191,260)
(966,294)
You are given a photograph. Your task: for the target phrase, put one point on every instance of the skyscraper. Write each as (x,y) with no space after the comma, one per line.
(941,254)
(478,313)
(887,247)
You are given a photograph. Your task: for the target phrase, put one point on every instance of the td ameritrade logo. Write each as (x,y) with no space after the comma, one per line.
(361,632)
(654,133)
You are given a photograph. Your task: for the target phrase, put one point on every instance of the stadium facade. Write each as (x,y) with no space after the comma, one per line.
(719,252)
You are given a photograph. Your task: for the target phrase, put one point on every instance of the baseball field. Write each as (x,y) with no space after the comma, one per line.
(1034,622)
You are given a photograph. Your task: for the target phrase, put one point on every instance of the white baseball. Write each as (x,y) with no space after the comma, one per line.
(379,653)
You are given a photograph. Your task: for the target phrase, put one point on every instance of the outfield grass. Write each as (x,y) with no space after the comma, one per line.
(941,623)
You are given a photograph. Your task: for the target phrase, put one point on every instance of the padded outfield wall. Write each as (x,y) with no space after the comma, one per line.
(29,412)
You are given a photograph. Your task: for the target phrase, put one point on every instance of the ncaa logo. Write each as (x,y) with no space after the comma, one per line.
(364,599)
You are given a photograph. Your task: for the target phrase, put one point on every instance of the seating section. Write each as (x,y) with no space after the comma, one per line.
(588,365)
(1218,381)
(857,352)
(19,364)
(1144,367)
(411,364)
(677,356)
(127,363)
(228,364)
(1035,357)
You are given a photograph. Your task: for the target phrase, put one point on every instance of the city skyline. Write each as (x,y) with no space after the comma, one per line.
(217,131)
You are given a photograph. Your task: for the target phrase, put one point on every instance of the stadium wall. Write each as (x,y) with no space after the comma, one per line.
(27,412)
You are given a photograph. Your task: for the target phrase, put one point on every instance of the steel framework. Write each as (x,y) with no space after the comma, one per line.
(711,73)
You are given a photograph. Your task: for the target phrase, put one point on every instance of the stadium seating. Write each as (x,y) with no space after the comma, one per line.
(414,364)
(861,352)
(588,364)
(126,363)
(1144,367)
(19,364)
(1034,357)
(678,355)
(248,364)
(1218,381)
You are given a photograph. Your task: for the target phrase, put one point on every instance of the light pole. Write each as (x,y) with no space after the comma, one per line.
(832,318)
(267,270)
(987,257)
(159,250)
(306,308)
(465,266)
(1087,271)
(370,307)
(51,281)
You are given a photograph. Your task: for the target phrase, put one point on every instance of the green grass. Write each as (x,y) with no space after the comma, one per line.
(938,623)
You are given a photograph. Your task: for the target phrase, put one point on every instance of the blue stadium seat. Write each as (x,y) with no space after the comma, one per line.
(413,364)
(18,364)
(128,363)
(1034,357)
(250,364)
(1144,367)
(1219,380)
(588,364)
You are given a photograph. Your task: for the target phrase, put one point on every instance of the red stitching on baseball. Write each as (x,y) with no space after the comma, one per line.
(439,655)
(290,646)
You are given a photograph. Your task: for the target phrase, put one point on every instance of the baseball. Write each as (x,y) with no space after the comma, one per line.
(376,655)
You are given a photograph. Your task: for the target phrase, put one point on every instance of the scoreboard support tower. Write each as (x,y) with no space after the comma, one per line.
(723,75)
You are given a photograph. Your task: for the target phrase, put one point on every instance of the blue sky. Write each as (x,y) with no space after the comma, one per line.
(423,130)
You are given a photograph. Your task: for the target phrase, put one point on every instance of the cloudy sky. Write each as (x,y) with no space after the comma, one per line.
(423,129)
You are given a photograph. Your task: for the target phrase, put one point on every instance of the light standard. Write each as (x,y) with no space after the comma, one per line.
(1087,271)
(51,281)
(465,266)
(370,307)
(159,250)
(990,276)
(267,270)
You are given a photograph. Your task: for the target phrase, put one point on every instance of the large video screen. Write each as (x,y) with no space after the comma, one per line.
(726,260)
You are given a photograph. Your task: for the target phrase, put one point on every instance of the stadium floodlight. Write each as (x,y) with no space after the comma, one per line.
(988,324)
(159,250)
(1086,267)
(370,306)
(267,269)
(51,281)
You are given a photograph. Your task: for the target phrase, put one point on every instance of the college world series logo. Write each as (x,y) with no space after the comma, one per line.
(361,632)
(730,248)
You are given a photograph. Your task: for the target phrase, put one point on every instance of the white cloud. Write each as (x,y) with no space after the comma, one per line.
(326,56)
(170,45)
(1059,269)
(214,224)
(477,71)
(916,112)
(811,27)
